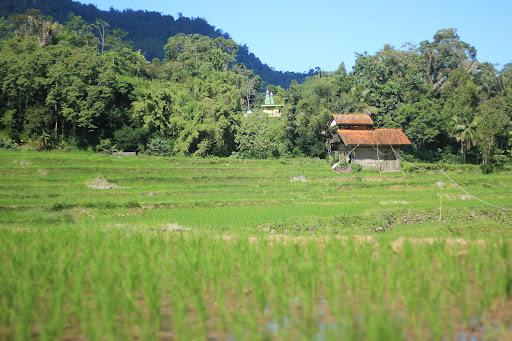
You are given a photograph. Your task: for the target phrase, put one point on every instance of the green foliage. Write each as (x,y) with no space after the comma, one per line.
(47,141)
(149,32)
(83,82)
(494,121)
(311,105)
(106,146)
(159,146)
(436,93)
(8,144)
(155,108)
(422,121)
(487,168)
(447,156)
(130,138)
(260,137)
(49,86)
(444,54)
(197,54)
(356,168)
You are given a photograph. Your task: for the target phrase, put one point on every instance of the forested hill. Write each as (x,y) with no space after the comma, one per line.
(149,31)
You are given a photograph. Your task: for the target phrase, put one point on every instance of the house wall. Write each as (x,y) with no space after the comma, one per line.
(273,112)
(367,157)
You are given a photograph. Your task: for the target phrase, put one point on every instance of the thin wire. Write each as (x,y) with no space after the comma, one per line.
(473,196)
(378,162)
(385,154)
(404,160)
(352,150)
(348,154)
(456,184)
(401,158)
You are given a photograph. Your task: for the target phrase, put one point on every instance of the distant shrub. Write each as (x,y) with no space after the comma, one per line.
(261,137)
(499,161)
(106,146)
(408,157)
(331,159)
(496,163)
(159,146)
(47,141)
(356,168)
(132,204)
(130,139)
(7,144)
(446,156)
(66,145)
(61,206)
(487,168)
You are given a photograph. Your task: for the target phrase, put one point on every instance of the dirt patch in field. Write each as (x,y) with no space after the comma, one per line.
(172,228)
(273,238)
(408,187)
(394,202)
(379,178)
(101,183)
(283,238)
(79,213)
(165,228)
(22,163)
(20,229)
(459,243)
(42,172)
(131,212)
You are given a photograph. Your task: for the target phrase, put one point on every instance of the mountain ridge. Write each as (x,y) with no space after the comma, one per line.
(149,31)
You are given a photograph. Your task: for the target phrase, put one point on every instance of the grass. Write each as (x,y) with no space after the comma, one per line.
(184,248)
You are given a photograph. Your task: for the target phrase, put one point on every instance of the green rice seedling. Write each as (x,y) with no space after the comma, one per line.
(237,249)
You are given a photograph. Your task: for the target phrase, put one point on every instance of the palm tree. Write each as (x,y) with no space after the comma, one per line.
(465,133)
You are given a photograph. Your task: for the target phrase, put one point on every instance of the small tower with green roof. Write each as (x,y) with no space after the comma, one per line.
(269,107)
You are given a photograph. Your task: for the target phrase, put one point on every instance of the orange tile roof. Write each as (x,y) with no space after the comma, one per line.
(384,136)
(352,119)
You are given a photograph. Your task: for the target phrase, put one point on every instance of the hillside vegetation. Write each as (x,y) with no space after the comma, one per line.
(81,85)
(149,31)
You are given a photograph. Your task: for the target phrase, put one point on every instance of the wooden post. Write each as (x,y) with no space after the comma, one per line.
(441,205)
(378,158)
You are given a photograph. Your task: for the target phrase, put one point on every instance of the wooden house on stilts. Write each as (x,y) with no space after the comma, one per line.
(355,140)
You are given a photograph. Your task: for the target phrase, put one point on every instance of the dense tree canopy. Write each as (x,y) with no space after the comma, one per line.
(148,31)
(446,101)
(82,84)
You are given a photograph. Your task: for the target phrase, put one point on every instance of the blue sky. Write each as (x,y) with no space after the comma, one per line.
(298,35)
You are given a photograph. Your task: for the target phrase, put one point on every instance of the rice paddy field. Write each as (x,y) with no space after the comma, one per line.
(97,247)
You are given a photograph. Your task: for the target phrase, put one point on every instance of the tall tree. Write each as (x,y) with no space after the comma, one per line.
(446,53)
(102,28)
(494,120)
(461,99)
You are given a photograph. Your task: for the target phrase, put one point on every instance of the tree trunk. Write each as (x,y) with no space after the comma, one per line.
(56,119)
